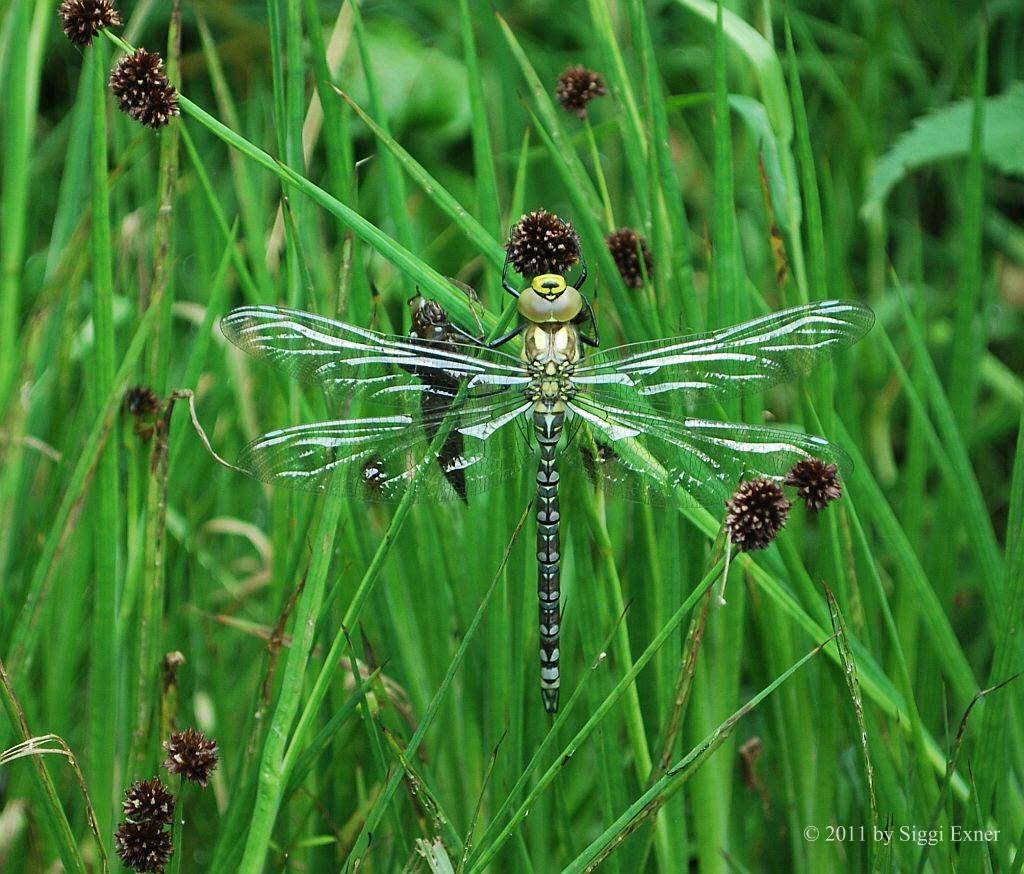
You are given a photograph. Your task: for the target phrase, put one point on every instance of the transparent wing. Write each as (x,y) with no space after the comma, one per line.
(648,457)
(729,362)
(375,459)
(351,362)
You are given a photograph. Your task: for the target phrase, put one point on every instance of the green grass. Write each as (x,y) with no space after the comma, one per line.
(369,672)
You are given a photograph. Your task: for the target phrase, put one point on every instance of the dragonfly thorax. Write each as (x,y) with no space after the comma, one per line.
(551,352)
(551,341)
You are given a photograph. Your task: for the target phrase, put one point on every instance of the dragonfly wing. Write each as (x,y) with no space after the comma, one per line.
(646,456)
(732,361)
(375,459)
(350,362)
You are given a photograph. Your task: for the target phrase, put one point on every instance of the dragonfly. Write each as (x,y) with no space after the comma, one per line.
(631,417)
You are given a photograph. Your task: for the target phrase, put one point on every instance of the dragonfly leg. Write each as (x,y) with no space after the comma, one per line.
(596,339)
(508,286)
(501,341)
(465,335)
(479,341)
(583,272)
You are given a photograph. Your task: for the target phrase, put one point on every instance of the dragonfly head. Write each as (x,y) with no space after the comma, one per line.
(548,285)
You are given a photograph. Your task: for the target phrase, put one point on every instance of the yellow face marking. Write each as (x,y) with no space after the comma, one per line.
(548,285)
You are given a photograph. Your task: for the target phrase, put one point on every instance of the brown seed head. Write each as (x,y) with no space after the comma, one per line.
(143,846)
(83,19)
(627,247)
(141,400)
(149,801)
(143,90)
(816,483)
(540,242)
(191,754)
(757,512)
(576,87)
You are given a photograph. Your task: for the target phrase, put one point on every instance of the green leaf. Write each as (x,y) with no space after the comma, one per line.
(946,133)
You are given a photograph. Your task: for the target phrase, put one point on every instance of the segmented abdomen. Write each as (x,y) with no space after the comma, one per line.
(548,426)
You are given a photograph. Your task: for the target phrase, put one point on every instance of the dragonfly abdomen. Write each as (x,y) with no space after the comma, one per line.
(548,426)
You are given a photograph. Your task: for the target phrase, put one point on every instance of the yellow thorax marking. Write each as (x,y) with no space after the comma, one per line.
(548,285)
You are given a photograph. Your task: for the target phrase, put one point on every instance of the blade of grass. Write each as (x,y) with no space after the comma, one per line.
(970,500)
(475,232)
(107,530)
(635,727)
(394,181)
(217,211)
(936,624)
(21,105)
(808,180)
(488,203)
(384,799)
(1006,661)
(589,202)
(318,745)
(23,639)
(849,666)
(968,345)
(767,69)
(669,211)
(548,741)
(272,771)
(55,820)
(637,147)
(726,307)
(325,61)
(162,289)
(245,191)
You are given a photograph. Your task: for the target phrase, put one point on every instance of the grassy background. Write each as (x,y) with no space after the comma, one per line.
(121,248)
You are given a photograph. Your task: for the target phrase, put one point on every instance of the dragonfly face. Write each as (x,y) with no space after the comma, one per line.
(622,406)
(549,299)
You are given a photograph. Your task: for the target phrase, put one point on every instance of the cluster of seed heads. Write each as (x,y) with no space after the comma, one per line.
(191,754)
(141,400)
(142,840)
(541,242)
(757,512)
(816,483)
(149,801)
(143,846)
(138,80)
(84,19)
(576,87)
(631,255)
(758,509)
(143,90)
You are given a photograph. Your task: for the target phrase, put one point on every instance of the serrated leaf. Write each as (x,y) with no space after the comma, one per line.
(946,133)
